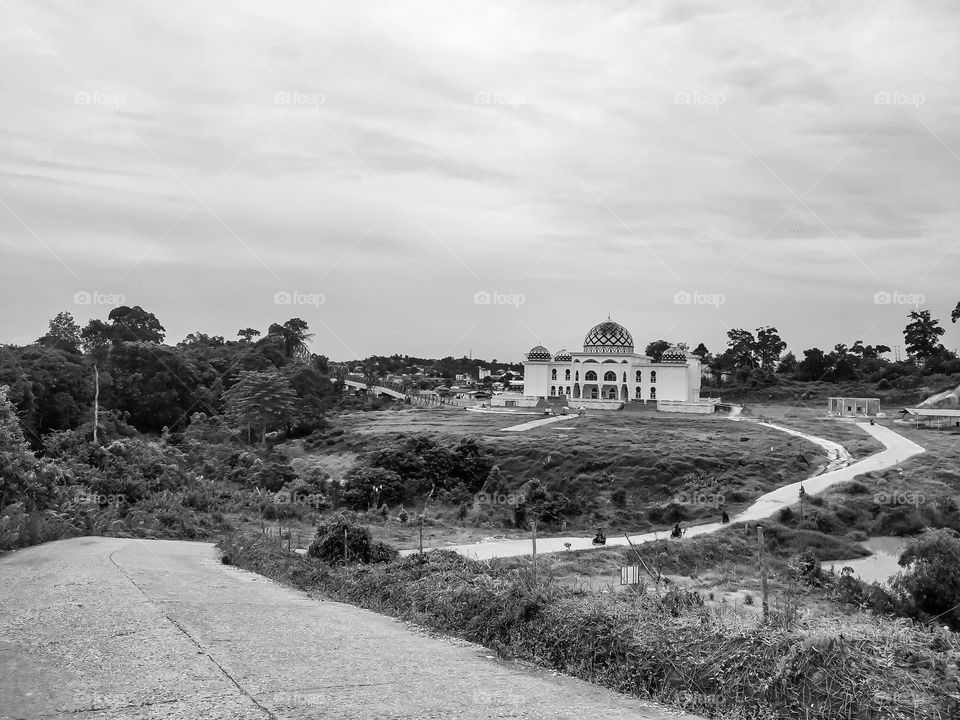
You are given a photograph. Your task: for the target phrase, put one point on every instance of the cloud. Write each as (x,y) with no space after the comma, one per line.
(402,157)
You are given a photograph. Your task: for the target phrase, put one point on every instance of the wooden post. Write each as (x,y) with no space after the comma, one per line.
(763,573)
(344,546)
(420,527)
(533,526)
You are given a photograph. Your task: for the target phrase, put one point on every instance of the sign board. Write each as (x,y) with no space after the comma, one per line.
(630,575)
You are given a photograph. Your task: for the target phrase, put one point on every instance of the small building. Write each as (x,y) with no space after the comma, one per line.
(853,406)
(932,417)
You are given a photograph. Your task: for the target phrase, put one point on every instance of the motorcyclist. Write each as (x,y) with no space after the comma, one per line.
(724,518)
(677,531)
(600,538)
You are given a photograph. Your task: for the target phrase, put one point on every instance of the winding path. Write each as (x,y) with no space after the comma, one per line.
(839,469)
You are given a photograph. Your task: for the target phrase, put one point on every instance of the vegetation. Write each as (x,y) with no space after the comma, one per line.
(669,648)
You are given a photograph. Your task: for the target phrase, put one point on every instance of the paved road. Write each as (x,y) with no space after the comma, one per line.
(112,628)
(898,449)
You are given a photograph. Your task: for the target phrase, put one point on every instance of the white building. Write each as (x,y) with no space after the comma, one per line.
(609,373)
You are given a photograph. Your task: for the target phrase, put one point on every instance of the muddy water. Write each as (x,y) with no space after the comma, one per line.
(878,567)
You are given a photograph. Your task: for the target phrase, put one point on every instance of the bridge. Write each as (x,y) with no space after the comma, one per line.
(387,387)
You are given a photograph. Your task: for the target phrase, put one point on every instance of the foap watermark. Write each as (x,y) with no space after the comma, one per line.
(295,297)
(698,298)
(493,97)
(700,98)
(496,698)
(899,497)
(300,99)
(899,298)
(700,499)
(95,297)
(899,98)
(102,499)
(482,297)
(95,97)
(288,498)
(508,499)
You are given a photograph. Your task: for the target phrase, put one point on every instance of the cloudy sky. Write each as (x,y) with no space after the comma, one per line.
(433,178)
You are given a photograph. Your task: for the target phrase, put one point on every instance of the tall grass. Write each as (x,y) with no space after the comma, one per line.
(672,650)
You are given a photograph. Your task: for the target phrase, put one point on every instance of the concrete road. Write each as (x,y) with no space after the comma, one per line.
(113,628)
(897,449)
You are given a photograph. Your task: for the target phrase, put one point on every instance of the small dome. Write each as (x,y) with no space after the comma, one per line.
(539,352)
(608,337)
(563,355)
(673,354)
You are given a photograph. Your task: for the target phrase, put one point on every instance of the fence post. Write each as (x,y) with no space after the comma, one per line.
(763,573)
(533,525)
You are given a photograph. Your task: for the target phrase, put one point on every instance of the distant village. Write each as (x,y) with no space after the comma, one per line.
(476,383)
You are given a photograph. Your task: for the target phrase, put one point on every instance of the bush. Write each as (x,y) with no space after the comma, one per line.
(328,545)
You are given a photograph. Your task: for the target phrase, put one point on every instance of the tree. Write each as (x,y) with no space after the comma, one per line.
(702,351)
(263,400)
(63,334)
(768,347)
(932,579)
(247,335)
(293,337)
(22,478)
(814,365)
(787,364)
(135,323)
(923,335)
(955,314)
(742,346)
(152,384)
(656,349)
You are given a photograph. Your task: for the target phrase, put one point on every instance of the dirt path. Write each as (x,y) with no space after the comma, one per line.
(114,628)
(840,469)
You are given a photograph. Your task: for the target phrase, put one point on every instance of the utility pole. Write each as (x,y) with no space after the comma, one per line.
(802,493)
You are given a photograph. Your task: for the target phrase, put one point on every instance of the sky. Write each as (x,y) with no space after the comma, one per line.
(447,178)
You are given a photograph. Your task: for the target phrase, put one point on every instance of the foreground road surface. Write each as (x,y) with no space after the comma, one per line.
(112,628)
(897,449)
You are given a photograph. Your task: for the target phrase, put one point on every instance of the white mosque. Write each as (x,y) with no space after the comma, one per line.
(609,373)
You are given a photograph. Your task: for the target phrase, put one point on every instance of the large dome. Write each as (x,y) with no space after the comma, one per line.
(608,337)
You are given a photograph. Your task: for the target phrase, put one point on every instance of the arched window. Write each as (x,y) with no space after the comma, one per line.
(553,389)
(639,394)
(653,393)
(624,375)
(639,376)
(566,375)
(553,374)
(653,376)
(590,376)
(577,375)
(609,376)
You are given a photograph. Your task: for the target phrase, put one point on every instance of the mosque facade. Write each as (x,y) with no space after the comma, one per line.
(609,371)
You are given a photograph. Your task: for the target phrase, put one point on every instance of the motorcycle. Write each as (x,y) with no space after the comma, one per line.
(600,540)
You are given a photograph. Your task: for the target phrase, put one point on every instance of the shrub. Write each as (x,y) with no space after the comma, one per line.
(328,545)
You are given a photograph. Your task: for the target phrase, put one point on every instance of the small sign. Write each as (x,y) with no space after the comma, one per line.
(630,575)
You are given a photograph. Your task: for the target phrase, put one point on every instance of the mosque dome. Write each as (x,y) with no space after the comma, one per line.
(563,355)
(608,337)
(673,354)
(539,352)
